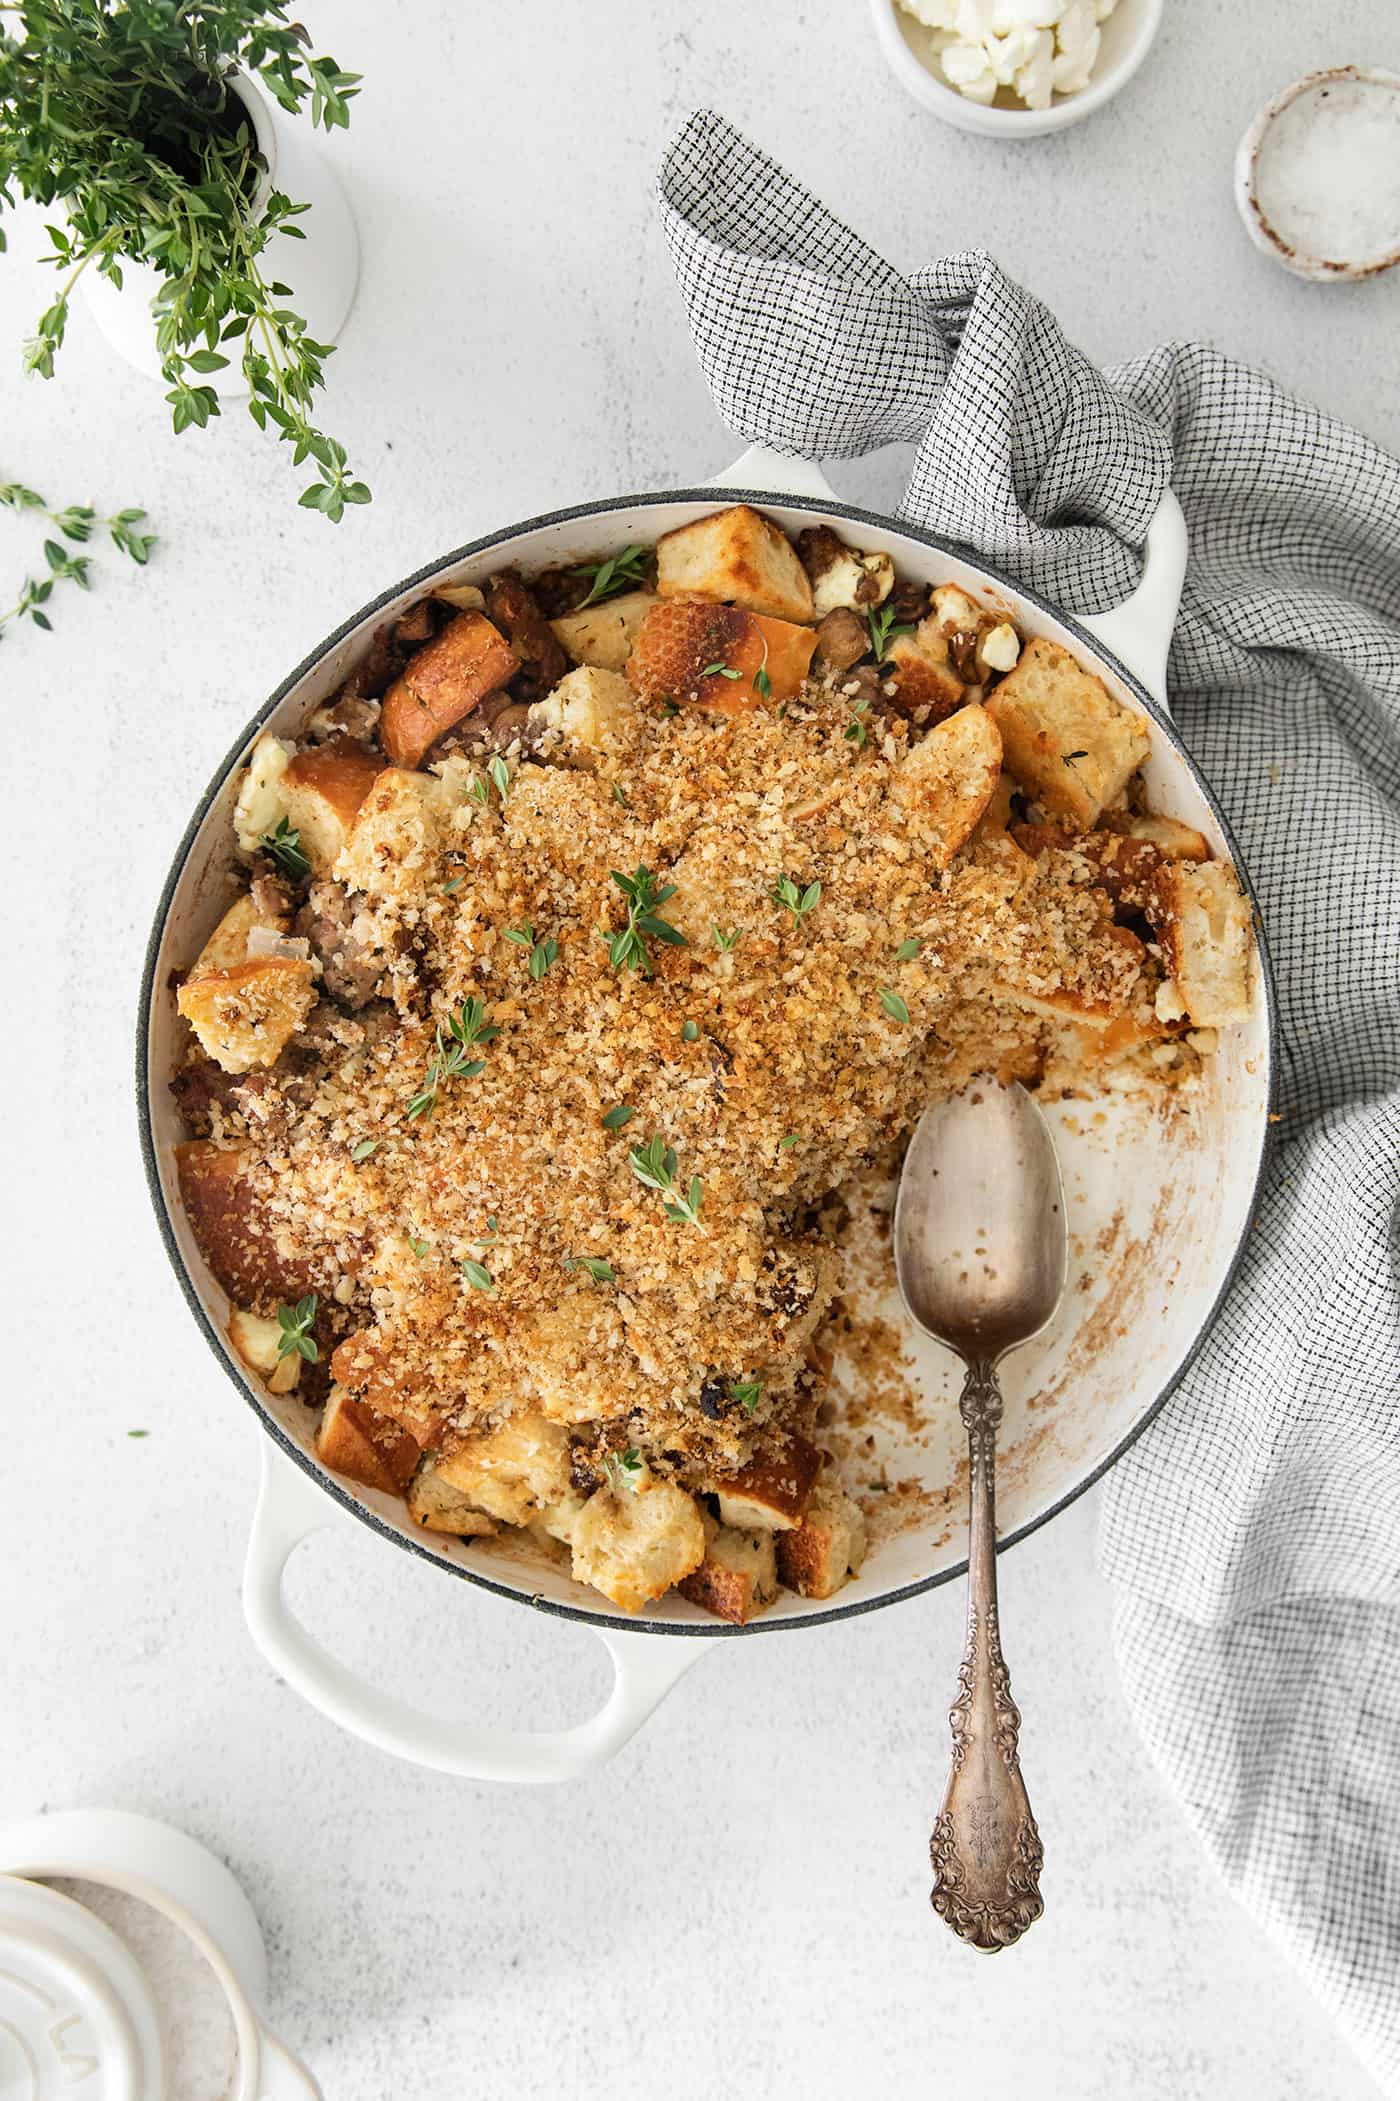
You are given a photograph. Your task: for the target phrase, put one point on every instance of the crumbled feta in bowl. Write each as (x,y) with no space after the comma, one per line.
(1024,66)
(1036,48)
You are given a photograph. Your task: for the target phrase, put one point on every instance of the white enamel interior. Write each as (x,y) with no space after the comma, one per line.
(1158,1198)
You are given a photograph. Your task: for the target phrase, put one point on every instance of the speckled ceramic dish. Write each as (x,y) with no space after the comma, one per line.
(1317,175)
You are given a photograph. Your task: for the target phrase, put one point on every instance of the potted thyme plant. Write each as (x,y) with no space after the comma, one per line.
(149,123)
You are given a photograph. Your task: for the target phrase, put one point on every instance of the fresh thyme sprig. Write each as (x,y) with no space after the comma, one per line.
(726,942)
(450,1060)
(616,1118)
(542,953)
(627,948)
(295,1323)
(77,523)
(855,731)
(908,949)
(798,902)
(883,629)
(478,1276)
(284,845)
(620,572)
(654,1164)
(499,772)
(601,1272)
(127,116)
(747,1392)
(624,1469)
(719,671)
(893,1005)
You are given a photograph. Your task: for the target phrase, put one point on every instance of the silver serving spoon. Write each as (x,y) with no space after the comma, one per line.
(980,1250)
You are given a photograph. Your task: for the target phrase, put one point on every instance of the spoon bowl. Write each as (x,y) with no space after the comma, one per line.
(980,1243)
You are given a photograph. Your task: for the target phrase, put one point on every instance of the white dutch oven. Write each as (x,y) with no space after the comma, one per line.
(1159,1204)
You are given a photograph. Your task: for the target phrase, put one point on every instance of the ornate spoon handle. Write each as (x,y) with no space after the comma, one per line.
(985,1849)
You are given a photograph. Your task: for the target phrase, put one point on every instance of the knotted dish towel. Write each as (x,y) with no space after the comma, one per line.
(1253,1534)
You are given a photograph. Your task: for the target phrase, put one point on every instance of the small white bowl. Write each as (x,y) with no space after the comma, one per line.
(1317,175)
(1127,36)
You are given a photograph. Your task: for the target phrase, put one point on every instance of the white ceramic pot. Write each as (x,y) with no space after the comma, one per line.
(1173,1204)
(322,270)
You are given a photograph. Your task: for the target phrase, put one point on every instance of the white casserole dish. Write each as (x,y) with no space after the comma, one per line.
(1160,1202)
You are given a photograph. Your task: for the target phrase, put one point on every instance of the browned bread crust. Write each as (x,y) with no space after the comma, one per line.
(241,1248)
(357,1441)
(680,639)
(443,682)
(774,1488)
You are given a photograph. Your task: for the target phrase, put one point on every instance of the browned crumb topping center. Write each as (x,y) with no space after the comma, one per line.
(769,1055)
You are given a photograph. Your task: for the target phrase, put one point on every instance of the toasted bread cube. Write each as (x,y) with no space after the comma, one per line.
(322,790)
(247,1254)
(393,843)
(439,1507)
(603,635)
(591,707)
(1124,866)
(368,1366)
(1179,842)
(828,1546)
(245,1014)
(681,639)
(513,1471)
(772,1491)
(228,944)
(738,557)
(947,780)
(1070,744)
(634,1544)
(738,1576)
(442,682)
(1204,924)
(558,1521)
(260,806)
(923,672)
(995,821)
(257,1342)
(357,1441)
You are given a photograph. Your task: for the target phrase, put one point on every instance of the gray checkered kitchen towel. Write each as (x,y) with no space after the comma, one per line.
(1253,1535)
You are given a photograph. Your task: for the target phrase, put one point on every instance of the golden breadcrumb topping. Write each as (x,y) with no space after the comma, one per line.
(494,1245)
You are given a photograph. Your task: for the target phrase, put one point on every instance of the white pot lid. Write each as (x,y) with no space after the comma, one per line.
(76,2013)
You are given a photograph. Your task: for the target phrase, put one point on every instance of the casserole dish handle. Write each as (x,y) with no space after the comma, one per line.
(289,1509)
(1138,632)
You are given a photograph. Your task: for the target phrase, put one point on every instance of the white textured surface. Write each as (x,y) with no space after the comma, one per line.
(741,1901)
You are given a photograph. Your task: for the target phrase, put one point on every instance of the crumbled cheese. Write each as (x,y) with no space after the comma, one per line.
(1000,647)
(260,802)
(1034,49)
